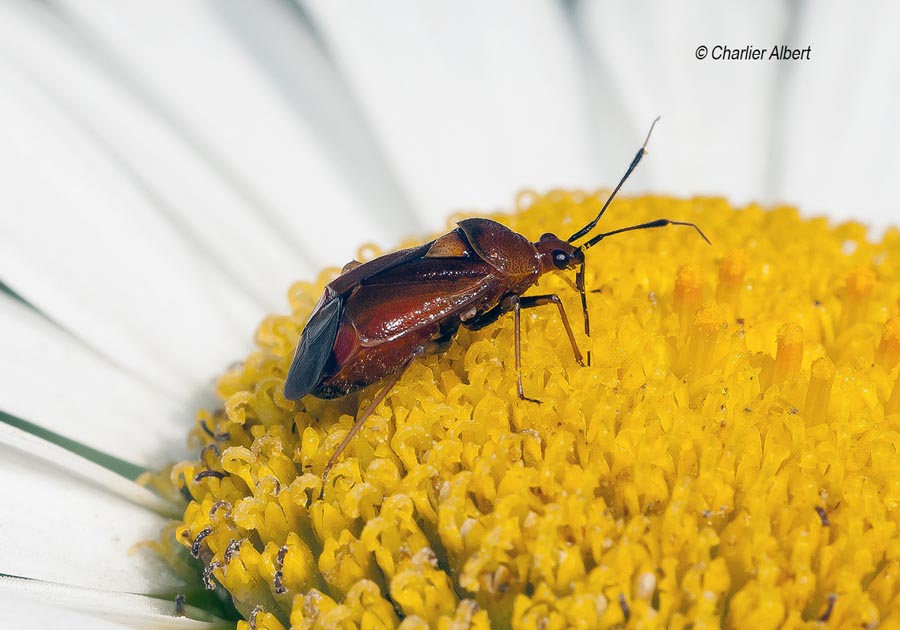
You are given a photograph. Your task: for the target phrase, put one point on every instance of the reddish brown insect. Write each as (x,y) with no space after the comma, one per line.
(376,317)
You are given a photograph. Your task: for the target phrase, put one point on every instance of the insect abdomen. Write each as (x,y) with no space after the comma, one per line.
(363,365)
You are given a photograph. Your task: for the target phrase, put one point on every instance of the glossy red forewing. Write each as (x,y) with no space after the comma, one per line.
(419,293)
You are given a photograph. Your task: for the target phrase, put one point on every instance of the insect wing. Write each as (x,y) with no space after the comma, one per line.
(419,293)
(349,280)
(314,350)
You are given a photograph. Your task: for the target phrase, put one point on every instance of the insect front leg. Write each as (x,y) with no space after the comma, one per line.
(517,303)
(551,298)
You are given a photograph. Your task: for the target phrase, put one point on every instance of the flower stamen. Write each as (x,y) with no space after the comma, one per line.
(198,539)
(888,353)
(688,291)
(700,351)
(819,392)
(857,291)
(789,354)
(731,278)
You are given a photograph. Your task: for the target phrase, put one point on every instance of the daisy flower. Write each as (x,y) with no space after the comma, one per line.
(170,170)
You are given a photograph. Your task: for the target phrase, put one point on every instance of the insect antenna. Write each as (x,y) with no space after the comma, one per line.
(579,277)
(643,226)
(637,158)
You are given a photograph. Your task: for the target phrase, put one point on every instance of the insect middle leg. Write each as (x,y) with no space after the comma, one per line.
(516,304)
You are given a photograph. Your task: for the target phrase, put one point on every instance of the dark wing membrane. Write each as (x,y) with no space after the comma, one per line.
(346,282)
(419,293)
(314,350)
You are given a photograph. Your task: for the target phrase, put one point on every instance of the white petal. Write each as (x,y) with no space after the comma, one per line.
(58,528)
(96,608)
(70,463)
(281,39)
(839,132)
(160,157)
(472,101)
(52,380)
(87,245)
(17,611)
(715,133)
(247,83)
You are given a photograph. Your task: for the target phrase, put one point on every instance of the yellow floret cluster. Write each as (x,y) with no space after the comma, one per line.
(729,459)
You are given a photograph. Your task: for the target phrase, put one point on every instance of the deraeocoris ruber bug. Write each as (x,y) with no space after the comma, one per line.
(376,317)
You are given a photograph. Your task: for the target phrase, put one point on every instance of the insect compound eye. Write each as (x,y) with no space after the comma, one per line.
(560,258)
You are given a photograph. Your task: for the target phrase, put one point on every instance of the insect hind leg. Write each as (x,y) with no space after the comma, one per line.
(388,386)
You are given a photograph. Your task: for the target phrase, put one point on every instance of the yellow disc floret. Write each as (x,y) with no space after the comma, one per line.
(730,458)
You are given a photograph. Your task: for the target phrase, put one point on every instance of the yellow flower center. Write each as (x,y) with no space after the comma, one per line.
(728,460)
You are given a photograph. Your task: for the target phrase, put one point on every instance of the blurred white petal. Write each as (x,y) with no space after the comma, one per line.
(221,76)
(53,380)
(715,134)
(838,134)
(58,528)
(151,154)
(288,51)
(29,601)
(92,251)
(18,611)
(471,101)
(68,463)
